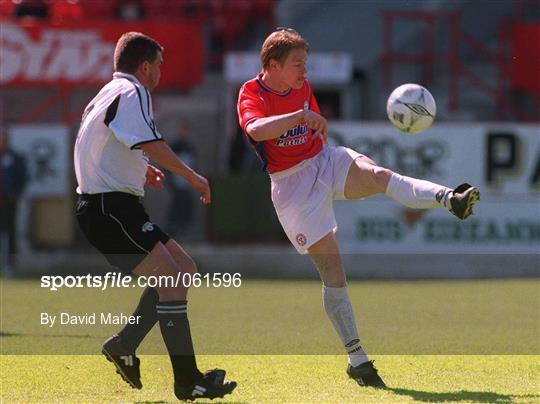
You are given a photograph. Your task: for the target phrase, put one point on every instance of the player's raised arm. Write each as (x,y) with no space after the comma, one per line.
(274,126)
(161,153)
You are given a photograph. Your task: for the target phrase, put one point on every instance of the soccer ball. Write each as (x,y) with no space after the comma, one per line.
(411,108)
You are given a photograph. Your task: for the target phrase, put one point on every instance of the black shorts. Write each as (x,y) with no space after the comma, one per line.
(119,227)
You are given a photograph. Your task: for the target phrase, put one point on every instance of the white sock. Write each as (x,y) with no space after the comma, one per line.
(339,309)
(356,353)
(418,194)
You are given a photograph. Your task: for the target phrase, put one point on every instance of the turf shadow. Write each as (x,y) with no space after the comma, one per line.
(151,402)
(10,334)
(17,334)
(463,395)
(164,402)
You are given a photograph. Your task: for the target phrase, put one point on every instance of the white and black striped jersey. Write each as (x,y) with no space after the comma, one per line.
(115,123)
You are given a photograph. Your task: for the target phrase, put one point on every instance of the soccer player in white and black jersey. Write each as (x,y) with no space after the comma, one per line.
(116,140)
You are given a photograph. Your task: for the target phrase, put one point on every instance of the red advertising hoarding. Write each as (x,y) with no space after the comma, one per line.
(81,53)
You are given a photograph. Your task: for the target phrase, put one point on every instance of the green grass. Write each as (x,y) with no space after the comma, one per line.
(283,378)
(433,341)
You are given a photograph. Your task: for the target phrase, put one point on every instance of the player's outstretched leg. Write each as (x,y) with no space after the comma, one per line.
(365,179)
(422,194)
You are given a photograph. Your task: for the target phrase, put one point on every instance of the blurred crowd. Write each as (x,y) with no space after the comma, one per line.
(137,9)
(13,178)
(226,22)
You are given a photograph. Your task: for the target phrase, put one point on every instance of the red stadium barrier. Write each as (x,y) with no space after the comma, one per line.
(79,53)
(525,66)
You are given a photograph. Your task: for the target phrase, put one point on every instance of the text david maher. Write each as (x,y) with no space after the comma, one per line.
(87,319)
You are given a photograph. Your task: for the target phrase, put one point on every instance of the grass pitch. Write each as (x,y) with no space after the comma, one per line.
(433,341)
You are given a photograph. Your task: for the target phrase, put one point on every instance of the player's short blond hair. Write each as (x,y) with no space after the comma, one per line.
(279,44)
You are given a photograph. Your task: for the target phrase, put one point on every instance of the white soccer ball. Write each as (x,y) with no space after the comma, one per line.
(411,108)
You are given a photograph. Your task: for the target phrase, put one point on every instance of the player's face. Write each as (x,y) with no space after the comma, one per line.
(293,71)
(153,72)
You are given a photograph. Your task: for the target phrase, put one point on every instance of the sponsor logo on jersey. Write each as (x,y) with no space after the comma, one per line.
(294,136)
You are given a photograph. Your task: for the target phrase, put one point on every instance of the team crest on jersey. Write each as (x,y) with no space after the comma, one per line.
(147,227)
(306,105)
(301,239)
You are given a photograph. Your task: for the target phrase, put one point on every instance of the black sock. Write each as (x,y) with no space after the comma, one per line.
(132,334)
(174,326)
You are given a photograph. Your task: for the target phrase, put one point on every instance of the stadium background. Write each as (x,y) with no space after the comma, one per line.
(478,58)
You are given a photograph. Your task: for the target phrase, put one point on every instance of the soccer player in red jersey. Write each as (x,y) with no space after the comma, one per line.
(280,116)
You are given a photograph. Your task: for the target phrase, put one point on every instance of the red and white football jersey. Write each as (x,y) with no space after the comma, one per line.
(256,100)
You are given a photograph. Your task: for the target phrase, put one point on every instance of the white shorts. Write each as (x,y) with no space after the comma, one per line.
(303,195)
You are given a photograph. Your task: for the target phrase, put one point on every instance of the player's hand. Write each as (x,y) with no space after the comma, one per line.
(154,178)
(317,123)
(199,183)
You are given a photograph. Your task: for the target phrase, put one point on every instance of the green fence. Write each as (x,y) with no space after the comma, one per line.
(242,211)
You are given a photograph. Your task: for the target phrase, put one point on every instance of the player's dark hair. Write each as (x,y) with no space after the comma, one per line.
(132,49)
(279,44)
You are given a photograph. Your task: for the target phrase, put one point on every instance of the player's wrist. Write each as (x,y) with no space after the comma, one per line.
(184,171)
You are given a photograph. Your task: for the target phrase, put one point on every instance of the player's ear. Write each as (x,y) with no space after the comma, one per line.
(145,66)
(274,64)
(141,69)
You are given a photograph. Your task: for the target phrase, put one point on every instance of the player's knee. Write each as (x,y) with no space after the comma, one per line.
(157,262)
(185,262)
(164,263)
(381,177)
(333,277)
(189,266)
(180,256)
